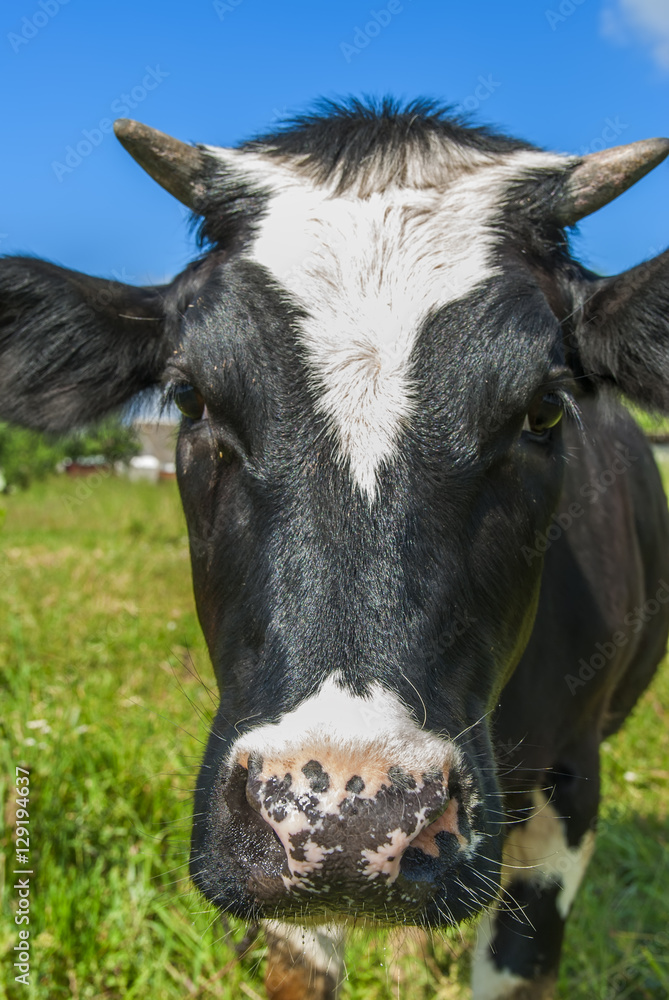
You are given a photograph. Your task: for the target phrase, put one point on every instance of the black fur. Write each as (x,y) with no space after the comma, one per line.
(339,138)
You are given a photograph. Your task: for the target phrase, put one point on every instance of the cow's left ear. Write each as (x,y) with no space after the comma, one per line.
(622,332)
(74,347)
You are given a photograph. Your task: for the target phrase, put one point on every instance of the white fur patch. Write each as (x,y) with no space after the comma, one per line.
(535,851)
(377,731)
(538,850)
(489,982)
(368,271)
(321,947)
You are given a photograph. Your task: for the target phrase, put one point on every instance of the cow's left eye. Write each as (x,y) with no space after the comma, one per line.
(189,401)
(544,414)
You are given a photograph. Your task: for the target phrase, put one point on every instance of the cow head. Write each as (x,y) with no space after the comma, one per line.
(375,358)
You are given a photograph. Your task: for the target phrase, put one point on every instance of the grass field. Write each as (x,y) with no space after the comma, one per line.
(100,666)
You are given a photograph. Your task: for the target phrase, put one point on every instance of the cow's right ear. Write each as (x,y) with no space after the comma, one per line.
(73,347)
(622,332)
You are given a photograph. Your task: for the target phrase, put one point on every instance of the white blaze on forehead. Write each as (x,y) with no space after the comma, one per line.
(344,725)
(369,271)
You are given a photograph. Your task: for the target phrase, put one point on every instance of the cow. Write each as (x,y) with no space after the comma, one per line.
(429,546)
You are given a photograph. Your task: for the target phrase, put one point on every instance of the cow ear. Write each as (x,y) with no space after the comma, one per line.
(72,347)
(622,332)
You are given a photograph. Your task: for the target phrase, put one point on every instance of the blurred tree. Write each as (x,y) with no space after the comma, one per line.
(112,439)
(26,455)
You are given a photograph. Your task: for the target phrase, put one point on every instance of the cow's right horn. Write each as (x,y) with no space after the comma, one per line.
(600,177)
(179,168)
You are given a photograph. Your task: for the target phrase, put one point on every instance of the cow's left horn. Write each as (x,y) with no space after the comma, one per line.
(181,169)
(600,177)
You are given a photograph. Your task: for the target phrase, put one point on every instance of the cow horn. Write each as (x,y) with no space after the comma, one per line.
(600,177)
(181,169)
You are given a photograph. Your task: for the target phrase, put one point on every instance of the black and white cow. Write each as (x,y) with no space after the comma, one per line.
(427,543)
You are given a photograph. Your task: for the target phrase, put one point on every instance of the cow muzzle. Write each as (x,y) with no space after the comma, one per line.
(344,835)
(348,807)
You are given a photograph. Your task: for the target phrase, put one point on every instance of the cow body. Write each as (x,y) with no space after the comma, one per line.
(428,549)
(600,631)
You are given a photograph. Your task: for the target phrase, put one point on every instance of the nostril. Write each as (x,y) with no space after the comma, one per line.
(250,839)
(253,794)
(265,793)
(441,839)
(272,799)
(417,866)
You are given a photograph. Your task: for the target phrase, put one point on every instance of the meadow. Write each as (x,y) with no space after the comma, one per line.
(106,692)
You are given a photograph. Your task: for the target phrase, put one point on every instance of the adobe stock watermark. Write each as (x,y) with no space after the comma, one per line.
(622,979)
(606,651)
(613,127)
(223,7)
(577,857)
(564,11)
(105,292)
(22,872)
(363,35)
(31,26)
(461,622)
(120,107)
(592,491)
(85,489)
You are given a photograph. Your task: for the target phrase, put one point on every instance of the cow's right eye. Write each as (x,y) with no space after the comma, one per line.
(189,401)
(544,414)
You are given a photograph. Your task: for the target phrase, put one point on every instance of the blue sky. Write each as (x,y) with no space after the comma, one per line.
(570,75)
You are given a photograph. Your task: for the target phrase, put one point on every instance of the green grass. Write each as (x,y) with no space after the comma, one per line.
(99,639)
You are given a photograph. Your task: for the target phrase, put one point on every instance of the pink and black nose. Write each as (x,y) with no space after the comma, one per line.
(334,827)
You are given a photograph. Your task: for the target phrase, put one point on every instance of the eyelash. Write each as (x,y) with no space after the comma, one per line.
(569,405)
(167,396)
